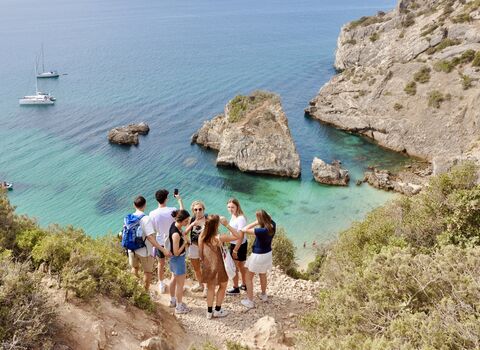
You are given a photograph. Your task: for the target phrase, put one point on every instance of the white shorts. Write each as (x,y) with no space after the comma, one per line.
(193,252)
(259,263)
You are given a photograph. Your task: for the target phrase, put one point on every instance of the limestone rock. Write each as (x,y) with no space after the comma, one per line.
(380,55)
(329,174)
(266,333)
(253,135)
(128,134)
(100,336)
(409,181)
(155,343)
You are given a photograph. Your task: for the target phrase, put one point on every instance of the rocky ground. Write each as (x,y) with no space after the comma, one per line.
(289,299)
(410,81)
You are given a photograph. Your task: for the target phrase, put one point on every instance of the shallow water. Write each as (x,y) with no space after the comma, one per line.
(174,65)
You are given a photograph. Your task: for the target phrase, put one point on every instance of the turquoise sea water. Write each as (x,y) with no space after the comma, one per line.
(172,64)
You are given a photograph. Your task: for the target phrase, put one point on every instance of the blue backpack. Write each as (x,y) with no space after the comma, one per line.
(132,233)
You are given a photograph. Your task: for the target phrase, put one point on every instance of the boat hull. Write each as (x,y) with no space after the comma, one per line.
(48,75)
(26,101)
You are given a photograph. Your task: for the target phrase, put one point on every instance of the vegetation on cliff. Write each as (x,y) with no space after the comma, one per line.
(408,276)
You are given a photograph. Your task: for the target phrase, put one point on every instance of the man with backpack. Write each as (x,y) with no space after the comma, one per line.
(138,236)
(162,220)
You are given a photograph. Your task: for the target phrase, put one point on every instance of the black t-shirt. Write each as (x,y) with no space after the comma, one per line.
(196,231)
(173,229)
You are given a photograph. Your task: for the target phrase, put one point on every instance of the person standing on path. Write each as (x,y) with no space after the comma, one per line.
(198,224)
(143,256)
(260,261)
(238,249)
(162,220)
(178,246)
(213,268)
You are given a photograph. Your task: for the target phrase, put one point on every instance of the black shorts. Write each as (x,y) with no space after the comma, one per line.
(242,252)
(159,253)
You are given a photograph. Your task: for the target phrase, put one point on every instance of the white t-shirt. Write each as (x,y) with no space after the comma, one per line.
(147,230)
(162,220)
(239,223)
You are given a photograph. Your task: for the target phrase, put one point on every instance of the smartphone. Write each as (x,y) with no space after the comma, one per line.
(175,192)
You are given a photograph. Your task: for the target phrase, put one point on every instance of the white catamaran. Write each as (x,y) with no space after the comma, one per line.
(40,98)
(44,74)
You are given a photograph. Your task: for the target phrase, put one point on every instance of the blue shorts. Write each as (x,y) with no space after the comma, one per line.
(177,265)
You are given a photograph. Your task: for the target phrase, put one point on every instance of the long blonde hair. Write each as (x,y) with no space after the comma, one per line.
(237,204)
(211,228)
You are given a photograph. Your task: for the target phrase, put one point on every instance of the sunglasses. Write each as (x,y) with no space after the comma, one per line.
(198,209)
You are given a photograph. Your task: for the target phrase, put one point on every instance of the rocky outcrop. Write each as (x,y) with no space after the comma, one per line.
(410,81)
(409,181)
(329,174)
(252,135)
(128,134)
(266,333)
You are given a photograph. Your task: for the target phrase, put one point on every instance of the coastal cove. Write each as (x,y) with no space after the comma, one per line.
(173,66)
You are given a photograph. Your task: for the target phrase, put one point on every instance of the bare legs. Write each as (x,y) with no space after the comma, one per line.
(263,282)
(220,294)
(161,269)
(196,268)
(176,287)
(240,267)
(249,282)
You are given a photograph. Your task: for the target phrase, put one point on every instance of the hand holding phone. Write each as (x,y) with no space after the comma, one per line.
(175,192)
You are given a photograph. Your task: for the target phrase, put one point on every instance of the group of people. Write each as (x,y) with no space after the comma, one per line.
(172,233)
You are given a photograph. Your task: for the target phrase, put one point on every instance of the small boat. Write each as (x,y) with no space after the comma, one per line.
(6,185)
(47,74)
(40,98)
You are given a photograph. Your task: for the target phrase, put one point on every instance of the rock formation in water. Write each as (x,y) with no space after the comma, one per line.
(408,181)
(329,174)
(410,80)
(252,135)
(128,134)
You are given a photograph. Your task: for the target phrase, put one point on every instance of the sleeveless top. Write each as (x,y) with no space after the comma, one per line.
(173,229)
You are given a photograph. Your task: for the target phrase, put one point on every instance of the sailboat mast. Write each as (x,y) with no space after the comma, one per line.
(36,80)
(43,61)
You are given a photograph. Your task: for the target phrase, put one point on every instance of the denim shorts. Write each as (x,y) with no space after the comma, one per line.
(177,265)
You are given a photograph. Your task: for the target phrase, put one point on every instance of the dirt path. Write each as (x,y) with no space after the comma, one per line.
(288,299)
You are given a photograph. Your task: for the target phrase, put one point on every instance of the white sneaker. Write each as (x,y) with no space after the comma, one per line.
(173,302)
(181,309)
(197,288)
(209,315)
(248,303)
(162,287)
(262,297)
(221,313)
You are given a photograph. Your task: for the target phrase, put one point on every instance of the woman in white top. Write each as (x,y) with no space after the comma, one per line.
(238,249)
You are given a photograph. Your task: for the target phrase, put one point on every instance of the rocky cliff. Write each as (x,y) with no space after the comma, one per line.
(409,79)
(253,135)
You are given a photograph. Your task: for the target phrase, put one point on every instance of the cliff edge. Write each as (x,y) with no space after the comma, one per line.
(409,79)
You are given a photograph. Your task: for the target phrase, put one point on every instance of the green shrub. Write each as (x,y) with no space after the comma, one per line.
(408,20)
(429,29)
(476,59)
(283,252)
(397,106)
(462,18)
(444,44)
(445,66)
(350,42)
(26,315)
(240,105)
(374,37)
(411,88)
(435,99)
(423,75)
(407,276)
(235,346)
(466,81)
(365,21)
